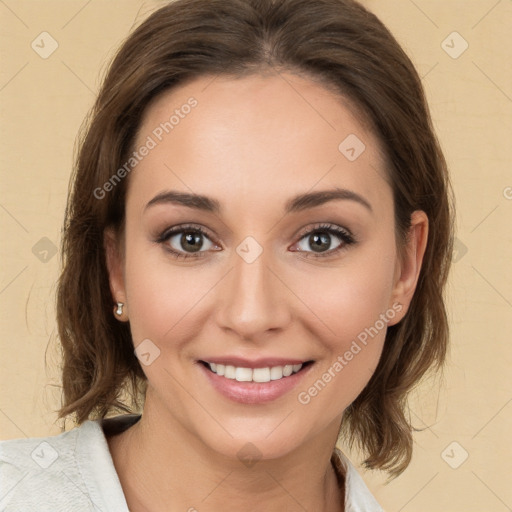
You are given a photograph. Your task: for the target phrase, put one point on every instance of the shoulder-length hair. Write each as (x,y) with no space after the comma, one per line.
(351,52)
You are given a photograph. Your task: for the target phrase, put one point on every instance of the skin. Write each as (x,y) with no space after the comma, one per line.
(252,143)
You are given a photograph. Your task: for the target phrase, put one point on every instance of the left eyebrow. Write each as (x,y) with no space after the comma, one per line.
(312,199)
(295,204)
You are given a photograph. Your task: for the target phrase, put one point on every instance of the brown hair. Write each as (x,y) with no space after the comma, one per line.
(349,50)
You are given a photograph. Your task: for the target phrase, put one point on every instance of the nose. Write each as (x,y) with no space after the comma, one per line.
(253,300)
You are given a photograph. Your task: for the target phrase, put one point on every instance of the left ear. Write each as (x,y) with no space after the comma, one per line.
(408,267)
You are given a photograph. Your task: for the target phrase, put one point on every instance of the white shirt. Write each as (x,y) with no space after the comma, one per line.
(74,471)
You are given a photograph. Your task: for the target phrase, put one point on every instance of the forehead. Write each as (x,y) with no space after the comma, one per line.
(254,138)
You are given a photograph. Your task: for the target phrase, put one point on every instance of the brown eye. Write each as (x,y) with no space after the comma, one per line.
(321,240)
(186,242)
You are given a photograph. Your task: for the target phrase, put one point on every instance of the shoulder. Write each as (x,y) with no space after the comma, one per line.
(36,453)
(57,472)
(358,497)
(39,470)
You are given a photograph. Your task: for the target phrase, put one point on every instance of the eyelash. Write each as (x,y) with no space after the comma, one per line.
(346,237)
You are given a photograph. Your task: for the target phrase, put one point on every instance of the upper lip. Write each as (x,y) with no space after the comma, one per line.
(264,362)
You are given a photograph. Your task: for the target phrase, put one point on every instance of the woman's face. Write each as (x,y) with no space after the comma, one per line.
(279,275)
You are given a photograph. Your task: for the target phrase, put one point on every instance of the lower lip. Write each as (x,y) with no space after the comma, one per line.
(254,392)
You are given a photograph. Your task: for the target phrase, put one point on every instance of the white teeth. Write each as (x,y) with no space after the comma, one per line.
(276,373)
(261,375)
(243,374)
(254,375)
(230,372)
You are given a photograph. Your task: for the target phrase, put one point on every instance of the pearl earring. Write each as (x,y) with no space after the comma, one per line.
(118,310)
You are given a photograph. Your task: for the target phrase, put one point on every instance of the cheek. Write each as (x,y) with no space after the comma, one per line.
(350,298)
(161,295)
(352,306)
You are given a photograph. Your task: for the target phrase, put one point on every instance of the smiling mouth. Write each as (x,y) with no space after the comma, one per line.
(261,375)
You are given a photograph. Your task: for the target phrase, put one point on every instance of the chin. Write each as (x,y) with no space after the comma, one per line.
(256,439)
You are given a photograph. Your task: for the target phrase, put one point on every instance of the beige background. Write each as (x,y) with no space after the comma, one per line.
(43,102)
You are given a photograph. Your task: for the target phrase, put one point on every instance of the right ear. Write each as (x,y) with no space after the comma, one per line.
(115,264)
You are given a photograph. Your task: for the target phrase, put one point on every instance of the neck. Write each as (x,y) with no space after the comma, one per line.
(160,464)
